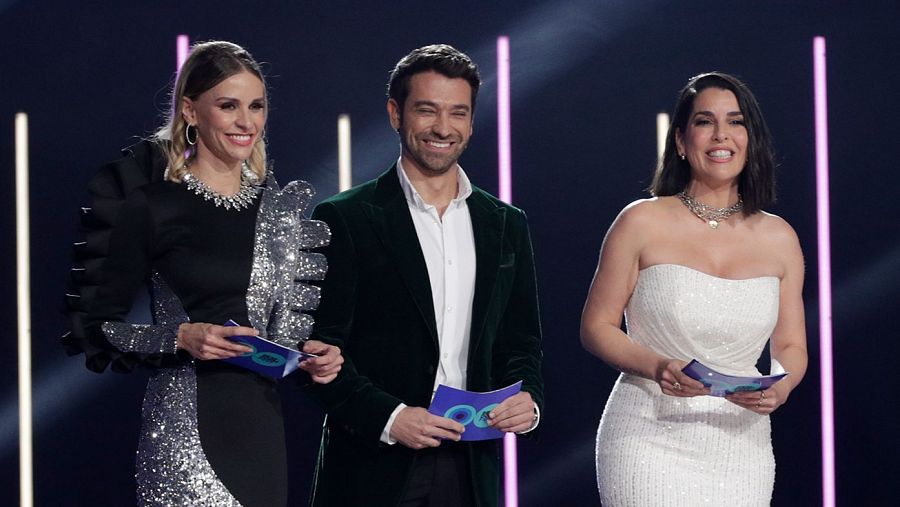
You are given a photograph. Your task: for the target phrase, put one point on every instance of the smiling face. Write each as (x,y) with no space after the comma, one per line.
(229,118)
(715,138)
(435,122)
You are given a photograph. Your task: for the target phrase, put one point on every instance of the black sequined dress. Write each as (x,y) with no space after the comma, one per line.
(212,433)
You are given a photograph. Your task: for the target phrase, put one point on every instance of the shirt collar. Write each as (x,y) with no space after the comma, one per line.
(412,195)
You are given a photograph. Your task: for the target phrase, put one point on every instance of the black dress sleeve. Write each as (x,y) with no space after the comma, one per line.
(112,263)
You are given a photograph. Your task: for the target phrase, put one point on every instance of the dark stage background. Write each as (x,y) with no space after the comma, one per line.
(588,78)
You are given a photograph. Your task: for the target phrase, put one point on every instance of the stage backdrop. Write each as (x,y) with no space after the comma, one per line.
(588,78)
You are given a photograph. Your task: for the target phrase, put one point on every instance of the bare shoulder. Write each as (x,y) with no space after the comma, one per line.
(781,240)
(641,213)
(777,229)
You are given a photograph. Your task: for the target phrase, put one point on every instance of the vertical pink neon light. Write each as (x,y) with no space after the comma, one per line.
(503,123)
(182,43)
(824,234)
(510,458)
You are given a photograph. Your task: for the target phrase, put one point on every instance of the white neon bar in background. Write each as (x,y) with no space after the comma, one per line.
(824,235)
(504,143)
(662,127)
(182,47)
(345,169)
(23,276)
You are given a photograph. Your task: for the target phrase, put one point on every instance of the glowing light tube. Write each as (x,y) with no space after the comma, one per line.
(504,142)
(23,272)
(345,169)
(182,45)
(662,128)
(824,235)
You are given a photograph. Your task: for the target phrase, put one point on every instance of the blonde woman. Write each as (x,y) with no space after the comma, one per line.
(195,214)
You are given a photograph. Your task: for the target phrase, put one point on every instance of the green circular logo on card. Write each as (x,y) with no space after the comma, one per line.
(269,359)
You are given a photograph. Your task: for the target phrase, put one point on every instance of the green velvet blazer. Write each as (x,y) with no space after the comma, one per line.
(377,306)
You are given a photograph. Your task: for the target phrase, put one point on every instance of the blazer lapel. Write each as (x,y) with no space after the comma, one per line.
(488,227)
(390,217)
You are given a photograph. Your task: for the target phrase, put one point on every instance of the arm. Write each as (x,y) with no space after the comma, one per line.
(517,351)
(611,288)
(352,401)
(126,268)
(788,342)
(109,188)
(119,275)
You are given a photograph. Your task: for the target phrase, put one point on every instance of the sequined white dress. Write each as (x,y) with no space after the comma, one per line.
(658,450)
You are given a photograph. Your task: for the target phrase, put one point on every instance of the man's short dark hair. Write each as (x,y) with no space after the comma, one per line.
(441,58)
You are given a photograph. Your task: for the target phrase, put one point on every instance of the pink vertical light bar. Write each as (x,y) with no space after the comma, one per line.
(182,43)
(503,123)
(824,234)
(510,465)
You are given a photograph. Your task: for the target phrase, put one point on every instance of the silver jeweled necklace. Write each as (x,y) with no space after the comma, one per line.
(712,216)
(241,200)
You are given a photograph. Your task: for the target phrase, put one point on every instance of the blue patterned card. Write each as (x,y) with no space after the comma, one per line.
(267,358)
(720,384)
(471,409)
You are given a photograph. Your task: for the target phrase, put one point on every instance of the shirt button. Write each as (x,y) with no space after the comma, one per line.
(450,262)
(445,355)
(449,309)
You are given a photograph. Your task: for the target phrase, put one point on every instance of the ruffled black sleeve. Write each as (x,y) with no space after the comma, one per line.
(108,271)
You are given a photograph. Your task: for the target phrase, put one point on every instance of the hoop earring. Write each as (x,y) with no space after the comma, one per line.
(187,134)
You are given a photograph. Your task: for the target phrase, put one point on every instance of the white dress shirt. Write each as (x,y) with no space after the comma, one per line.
(448,246)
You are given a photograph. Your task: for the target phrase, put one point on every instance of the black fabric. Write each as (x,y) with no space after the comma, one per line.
(242,432)
(204,253)
(141,164)
(378,307)
(440,477)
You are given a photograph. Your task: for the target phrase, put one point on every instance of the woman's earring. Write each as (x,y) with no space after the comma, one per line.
(682,156)
(187,134)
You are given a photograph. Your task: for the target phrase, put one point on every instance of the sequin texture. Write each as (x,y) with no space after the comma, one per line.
(653,449)
(158,338)
(172,468)
(277,295)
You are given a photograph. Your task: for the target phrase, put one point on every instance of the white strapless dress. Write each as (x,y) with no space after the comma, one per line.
(659,450)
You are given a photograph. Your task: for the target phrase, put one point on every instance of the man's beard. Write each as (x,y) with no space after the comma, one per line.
(436,164)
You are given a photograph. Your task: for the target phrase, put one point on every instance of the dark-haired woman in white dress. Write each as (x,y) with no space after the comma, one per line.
(699,271)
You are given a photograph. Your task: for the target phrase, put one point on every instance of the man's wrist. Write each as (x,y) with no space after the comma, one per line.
(534,422)
(386,437)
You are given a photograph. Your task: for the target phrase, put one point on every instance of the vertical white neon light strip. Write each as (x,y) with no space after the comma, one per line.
(345,171)
(662,128)
(182,47)
(824,234)
(510,465)
(23,271)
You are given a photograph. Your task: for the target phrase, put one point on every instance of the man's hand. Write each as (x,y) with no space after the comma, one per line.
(416,428)
(514,414)
(322,369)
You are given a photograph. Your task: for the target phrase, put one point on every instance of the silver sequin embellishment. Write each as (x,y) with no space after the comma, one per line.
(277,295)
(172,468)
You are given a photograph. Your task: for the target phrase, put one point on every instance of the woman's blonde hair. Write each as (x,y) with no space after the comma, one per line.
(209,64)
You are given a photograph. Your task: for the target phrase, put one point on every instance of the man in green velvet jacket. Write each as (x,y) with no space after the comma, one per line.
(430,280)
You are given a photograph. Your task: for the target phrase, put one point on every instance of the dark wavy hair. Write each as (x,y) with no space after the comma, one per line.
(756,183)
(441,58)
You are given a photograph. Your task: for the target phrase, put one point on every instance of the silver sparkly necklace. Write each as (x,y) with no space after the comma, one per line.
(241,200)
(712,216)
